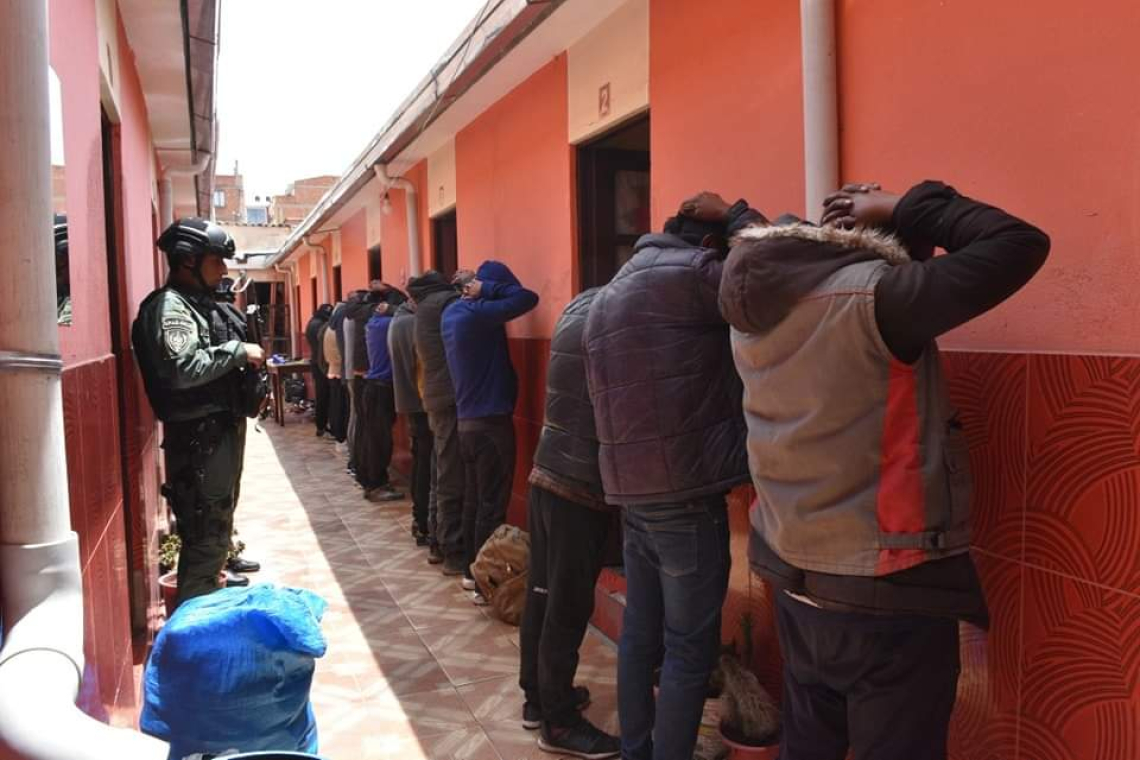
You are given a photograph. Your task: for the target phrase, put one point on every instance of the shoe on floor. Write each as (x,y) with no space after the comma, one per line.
(242,565)
(382,494)
(233,579)
(532,716)
(469,584)
(421,540)
(479,600)
(583,740)
(452,570)
(532,713)
(434,555)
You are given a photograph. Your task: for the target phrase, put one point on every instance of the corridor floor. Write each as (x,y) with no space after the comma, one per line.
(413,669)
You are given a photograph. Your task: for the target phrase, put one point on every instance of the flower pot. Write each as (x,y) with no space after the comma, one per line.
(168,584)
(739,748)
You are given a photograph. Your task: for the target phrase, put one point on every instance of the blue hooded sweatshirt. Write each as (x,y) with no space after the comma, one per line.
(475,341)
(376,337)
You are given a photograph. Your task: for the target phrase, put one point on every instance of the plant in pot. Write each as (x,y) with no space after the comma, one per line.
(750,719)
(168,550)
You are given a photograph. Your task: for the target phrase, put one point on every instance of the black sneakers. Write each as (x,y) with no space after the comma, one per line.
(584,740)
(382,494)
(532,713)
(435,557)
(242,565)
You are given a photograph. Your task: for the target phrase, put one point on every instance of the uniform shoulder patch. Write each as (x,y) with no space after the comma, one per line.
(176,331)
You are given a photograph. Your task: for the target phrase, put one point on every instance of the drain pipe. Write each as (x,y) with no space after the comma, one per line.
(414,260)
(322,268)
(166,186)
(292,291)
(41,661)
(821,104)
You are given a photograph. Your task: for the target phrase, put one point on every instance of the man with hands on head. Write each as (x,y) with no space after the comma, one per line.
(858,459)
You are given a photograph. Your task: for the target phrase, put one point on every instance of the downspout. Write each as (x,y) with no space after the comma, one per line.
(291,290)
(400,183)
(166,186)
(821,104)
(322,267)
(41,662)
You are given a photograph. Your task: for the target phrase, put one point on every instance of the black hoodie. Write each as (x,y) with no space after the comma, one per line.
(433,294)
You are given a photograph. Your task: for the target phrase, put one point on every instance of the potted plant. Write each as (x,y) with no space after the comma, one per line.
(168,550)
(750,719)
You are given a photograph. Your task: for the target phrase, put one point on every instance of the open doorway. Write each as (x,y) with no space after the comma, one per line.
(338,286)
(613,200)
(445,243)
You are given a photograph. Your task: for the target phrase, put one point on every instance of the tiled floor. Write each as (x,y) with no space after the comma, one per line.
(413,669)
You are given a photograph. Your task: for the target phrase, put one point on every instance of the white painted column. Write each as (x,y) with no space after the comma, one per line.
(33,465)
(821,107)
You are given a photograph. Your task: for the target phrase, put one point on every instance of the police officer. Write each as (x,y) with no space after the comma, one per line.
(193,366)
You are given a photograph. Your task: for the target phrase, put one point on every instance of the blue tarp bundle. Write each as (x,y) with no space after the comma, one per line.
(232,670)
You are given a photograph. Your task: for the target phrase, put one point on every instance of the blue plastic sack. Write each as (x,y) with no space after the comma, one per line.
(232,670)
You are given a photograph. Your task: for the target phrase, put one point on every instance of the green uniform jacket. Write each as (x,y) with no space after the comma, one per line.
(188,370)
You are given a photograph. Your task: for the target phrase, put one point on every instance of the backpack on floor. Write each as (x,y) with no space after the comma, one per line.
(500,569)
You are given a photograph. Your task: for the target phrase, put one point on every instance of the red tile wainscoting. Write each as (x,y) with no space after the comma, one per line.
(94,478)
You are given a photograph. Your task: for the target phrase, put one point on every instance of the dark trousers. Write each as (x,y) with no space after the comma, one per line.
(567,542)
(356,405)
(203,464)
(676,568)
(450,483)
(321,408)
(374,433)
(883,685)
(422,453)
(488,446)
(338,409)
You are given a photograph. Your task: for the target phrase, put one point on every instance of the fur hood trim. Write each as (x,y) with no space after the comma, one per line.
(885,245)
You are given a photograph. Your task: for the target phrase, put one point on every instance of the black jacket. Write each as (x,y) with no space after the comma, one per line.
(667,399)
(566,460)
(314,334)
(433,294)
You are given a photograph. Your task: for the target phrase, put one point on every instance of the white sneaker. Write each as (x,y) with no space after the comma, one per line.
(470,585)
(479,600)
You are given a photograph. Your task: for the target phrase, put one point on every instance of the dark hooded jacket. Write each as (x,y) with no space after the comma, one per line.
(433,294)
(566,460)
(475,340)
(313,334)
(667,399)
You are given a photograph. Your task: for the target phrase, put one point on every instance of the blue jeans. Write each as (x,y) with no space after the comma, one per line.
(676,568)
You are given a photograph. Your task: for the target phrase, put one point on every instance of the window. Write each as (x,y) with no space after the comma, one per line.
(219,199)
(257,215)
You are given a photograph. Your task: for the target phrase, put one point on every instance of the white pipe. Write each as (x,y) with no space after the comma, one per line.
(41,662)
(821,106)
(322,274)
(291,297)
(414,267)
(166,201)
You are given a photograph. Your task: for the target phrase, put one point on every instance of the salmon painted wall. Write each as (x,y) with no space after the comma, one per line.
(725,103)
(354,252)
(514,193)
(394,230)
(101,509)
(1034,111)
(75,58)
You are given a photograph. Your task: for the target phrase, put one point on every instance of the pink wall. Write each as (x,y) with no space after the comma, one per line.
(1036,112)
(733,122)
(354,252)
(514,196)
(75,58)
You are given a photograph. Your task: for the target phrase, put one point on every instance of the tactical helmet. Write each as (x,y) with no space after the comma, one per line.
(189,239)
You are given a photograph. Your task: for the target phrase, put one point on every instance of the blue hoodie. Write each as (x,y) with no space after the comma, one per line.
(379,360)
(475,341)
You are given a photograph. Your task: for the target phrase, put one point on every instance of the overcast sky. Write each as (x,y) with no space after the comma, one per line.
(304,85)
